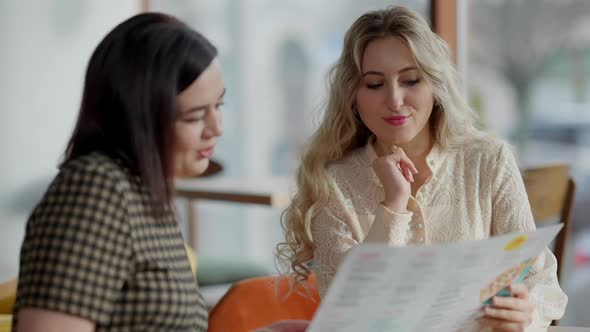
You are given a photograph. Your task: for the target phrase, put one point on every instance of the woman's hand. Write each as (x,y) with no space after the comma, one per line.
(286,326)
(510,314)
(395,171)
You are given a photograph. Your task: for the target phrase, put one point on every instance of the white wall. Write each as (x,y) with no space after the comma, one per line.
(45,46)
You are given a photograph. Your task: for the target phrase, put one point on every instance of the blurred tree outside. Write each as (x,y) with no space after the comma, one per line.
(518,37)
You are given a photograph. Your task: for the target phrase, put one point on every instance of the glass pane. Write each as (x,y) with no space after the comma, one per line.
(275,55)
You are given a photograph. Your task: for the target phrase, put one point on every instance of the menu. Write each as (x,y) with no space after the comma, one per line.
(426,288)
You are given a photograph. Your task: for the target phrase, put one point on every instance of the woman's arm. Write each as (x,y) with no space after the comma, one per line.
(336,229)
(77,250)
(41,320)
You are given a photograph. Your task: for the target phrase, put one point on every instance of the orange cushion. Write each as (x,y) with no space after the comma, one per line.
(258,302)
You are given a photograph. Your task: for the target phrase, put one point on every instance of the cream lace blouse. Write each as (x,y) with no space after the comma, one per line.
(475,192)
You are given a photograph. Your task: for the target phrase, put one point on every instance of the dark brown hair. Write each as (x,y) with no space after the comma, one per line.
(128,106)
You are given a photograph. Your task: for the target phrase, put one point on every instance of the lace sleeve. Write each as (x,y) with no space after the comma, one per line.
(336,230)
(332,239)
(512,213)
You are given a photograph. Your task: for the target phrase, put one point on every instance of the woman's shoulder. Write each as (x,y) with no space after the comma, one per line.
(89,187)
(486,154)
(94,169)
(95,163)
(484,147)
(350,163)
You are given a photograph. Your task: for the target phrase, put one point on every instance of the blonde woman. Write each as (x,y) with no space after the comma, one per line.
(397,160)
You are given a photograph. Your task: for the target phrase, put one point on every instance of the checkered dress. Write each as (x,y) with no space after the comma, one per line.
(92,249)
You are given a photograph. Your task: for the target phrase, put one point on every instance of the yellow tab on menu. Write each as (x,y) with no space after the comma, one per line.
(516,243)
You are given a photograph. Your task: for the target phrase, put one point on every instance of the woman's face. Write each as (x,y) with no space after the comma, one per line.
(198,123)
(394,99)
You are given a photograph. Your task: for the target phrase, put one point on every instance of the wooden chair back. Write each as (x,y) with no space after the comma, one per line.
(551,194)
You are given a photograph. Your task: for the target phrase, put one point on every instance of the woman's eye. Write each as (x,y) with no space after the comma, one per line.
(192,120)
(412,82)
(374,86)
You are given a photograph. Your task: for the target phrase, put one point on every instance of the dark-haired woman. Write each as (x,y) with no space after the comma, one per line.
(102,249)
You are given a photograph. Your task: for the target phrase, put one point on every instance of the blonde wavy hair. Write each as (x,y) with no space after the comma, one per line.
(452,121)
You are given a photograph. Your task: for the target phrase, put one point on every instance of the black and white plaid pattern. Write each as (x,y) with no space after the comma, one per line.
(92,249)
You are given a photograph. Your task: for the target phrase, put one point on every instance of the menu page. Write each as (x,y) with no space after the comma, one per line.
(425,288)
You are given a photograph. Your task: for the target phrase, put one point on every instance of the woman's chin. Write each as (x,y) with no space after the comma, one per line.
(199,167)
(195,169)
(398,140)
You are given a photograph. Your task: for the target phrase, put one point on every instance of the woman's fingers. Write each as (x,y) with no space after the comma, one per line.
(519,299)
(405,160)
(286,326)
(398,160)
(503,326)
(512,303)
(506,314)
(512,313)
(519,290)
(399,156)
(409,175)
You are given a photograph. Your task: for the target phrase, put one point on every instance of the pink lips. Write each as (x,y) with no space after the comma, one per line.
(206,153)
(397,120)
